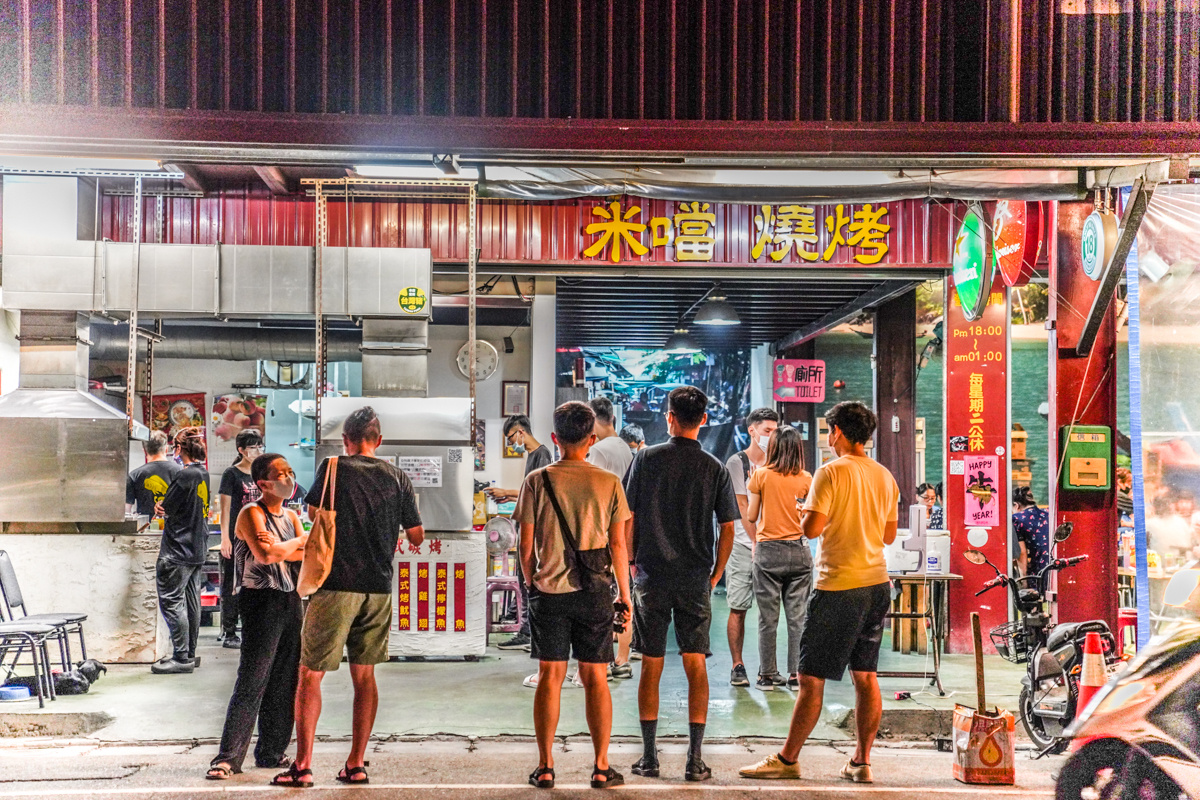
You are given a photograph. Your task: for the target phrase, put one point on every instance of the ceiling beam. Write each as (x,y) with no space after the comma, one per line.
(880,294)
(341,139)
(274,178)
(192,180)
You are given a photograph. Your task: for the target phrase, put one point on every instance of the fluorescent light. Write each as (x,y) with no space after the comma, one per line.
(717,311)
(15,163)
(414,172)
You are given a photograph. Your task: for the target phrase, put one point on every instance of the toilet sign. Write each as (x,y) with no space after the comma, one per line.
(799,381)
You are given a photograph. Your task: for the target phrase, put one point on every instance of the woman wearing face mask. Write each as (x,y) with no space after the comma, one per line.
(782,571)
(237,489)
(267,553)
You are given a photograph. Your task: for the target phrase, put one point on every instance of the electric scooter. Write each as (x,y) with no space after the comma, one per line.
(1054,653)
(1140,735)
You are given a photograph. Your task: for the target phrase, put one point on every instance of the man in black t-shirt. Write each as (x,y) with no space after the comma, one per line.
(518,436)
(674,489)
(147,485)
(353,607)
(237,490)
(182,552)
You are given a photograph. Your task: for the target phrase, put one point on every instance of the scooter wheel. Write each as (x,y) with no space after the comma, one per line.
(1034,726)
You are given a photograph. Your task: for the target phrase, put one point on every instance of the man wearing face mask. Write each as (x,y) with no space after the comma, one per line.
(518,436)
(237,490)
(739,589)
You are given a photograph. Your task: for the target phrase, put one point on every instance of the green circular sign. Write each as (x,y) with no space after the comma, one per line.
(412,300)
(1097,241)
(972,262)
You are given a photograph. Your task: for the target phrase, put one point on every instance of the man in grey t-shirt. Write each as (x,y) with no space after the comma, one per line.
(609,452)
(739,588)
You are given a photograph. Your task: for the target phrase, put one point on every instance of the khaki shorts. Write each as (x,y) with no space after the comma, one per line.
(354,620)
(739,586)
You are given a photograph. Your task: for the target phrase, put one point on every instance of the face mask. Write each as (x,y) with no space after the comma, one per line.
(517,447)
(283,488)
(763,441)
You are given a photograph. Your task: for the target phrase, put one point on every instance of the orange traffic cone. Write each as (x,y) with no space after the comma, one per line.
(1093,675)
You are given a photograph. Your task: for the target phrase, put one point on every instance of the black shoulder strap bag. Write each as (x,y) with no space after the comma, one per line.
(587,570)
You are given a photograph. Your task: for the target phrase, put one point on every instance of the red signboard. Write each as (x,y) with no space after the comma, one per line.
(422,595)
(440,596)
(977,437)
(1016,239)
(404,596)
(895,235)
(798,381)
(460,598)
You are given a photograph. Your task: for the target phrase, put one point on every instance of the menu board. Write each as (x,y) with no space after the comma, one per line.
(423,471)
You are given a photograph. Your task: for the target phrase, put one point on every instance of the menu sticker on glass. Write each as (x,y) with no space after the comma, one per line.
(423,471)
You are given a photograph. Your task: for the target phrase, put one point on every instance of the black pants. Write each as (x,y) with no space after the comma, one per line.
(266,679)
(229,600)
(179,601)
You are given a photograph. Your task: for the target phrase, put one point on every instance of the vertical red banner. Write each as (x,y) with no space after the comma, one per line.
(439,598)
(404,595)
(422,595)
(460,598)
(976,489)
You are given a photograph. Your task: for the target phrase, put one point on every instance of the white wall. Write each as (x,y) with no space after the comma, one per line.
(761,384)
(10,351)
(445,380)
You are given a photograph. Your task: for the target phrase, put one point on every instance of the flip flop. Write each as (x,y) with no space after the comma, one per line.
(293,778)
(219,772)
(348,773)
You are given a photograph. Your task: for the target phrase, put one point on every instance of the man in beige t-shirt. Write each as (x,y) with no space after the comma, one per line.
(852,506)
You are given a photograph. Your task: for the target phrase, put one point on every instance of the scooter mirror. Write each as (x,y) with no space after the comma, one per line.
(1064,531)
(975,557)
(1180,590)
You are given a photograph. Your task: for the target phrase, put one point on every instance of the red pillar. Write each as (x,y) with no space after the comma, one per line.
(1082,391)
(977,439)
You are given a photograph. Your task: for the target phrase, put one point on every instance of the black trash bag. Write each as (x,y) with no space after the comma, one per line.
(92,669)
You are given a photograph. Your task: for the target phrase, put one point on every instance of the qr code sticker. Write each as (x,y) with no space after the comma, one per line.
(454,455)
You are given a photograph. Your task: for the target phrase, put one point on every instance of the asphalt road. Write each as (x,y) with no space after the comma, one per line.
(461,769)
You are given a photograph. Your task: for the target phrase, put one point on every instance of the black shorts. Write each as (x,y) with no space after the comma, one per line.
(655,604)
(844,629)
(579,623)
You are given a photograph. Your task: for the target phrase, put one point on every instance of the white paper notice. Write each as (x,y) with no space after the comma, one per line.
(422,470)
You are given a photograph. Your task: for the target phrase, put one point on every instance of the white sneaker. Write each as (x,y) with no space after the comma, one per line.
(530,682)
(859,773)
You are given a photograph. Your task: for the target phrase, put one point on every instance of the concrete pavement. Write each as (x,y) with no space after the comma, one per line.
(471,769)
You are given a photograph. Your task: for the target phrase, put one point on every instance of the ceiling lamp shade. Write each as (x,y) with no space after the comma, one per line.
(717,311)
(681,343)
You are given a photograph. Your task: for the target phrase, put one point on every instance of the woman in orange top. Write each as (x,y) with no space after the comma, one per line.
(782,571)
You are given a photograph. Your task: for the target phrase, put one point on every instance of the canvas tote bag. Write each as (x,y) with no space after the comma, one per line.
(318,552)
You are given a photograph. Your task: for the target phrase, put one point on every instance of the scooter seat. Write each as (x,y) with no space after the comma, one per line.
(1070,631)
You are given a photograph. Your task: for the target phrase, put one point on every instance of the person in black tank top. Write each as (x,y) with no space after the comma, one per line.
(269,546)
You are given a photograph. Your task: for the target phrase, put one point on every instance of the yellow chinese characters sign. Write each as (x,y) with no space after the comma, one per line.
(778,233)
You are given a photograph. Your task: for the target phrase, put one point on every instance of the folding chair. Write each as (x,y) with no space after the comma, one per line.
(14,638)
(64,623)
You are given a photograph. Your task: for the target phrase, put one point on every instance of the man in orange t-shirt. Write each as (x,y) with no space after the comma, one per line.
(853,507)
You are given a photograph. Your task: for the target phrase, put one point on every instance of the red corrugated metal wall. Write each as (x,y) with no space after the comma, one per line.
(851,60)
(509,231)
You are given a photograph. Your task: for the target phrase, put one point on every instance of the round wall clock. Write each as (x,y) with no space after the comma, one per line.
(487,360)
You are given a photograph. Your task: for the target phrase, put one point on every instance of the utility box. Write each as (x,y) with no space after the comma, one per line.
(1087,457)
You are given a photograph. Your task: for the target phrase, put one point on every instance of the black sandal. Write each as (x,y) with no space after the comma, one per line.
(348,772)
(535,778)
(293,778)
(610,775)
(219,772)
